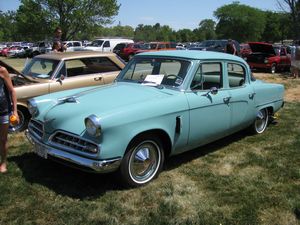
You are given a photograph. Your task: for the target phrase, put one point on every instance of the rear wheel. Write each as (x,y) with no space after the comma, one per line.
(143,161)
(273,68)
(261,122)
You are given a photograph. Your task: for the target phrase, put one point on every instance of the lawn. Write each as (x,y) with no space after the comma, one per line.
(240,179)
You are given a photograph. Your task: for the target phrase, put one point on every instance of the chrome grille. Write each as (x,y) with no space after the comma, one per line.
(36,128)
(69,141)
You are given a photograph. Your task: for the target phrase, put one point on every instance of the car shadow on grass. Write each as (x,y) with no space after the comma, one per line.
(64,180)
(78,184)
(183,158)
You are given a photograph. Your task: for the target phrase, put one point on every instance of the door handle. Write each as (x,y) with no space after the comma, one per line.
(251,95)
(226,100)
(97,78)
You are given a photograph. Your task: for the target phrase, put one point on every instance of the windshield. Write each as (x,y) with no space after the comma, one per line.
(156,71)
(40,68)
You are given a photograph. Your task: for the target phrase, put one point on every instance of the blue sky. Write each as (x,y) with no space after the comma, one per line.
(178,14)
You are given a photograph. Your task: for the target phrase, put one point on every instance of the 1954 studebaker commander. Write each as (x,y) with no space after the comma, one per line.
(161,104)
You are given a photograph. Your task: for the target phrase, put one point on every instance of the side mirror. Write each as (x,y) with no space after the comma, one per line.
(213,90)
(60,79)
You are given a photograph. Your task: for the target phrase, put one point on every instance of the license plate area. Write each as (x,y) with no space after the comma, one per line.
(40,151)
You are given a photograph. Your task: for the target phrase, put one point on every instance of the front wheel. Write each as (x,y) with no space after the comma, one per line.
(261,122)
(143,161)
(24,117)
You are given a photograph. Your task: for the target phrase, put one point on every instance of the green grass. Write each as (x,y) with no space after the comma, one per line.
(240,179)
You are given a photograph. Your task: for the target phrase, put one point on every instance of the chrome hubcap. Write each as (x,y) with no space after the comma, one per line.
(144,162)
(261,121)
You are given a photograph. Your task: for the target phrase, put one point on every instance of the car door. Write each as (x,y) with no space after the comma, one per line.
(209,110)
(106,46)
(84,72)
(284,58)
(242,96)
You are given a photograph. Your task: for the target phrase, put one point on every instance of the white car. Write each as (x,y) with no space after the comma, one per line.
(73,46)
(106,45)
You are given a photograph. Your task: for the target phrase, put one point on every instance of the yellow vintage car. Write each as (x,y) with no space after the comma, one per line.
(53,72)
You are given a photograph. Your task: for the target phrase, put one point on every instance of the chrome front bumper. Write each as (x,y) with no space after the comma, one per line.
(101,166)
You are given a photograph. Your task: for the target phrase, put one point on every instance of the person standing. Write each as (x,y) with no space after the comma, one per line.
(8,107)
(230,47)
(57,38)
(56,46)
(295,60)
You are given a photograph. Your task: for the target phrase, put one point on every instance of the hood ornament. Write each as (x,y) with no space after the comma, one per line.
(71,99)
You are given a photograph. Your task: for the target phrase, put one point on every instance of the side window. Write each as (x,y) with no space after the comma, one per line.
(77,44)
(106,44)
(74,67)
(236,75)
(90,66)
(207,76)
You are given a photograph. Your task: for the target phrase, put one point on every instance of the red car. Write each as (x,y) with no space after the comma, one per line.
(127,50)
(158,46)
(269,57)
(4,51)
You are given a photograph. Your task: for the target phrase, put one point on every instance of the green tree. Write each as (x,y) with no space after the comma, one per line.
(207,28)
(75,17)
(277,27)
(185,35)
(8,26)
(31,15)
(293,7)
(240,22)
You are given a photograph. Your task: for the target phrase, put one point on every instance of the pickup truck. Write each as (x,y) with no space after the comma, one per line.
(269,57)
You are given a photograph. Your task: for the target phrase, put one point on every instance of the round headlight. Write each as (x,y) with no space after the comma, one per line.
(92,125)
(32,107)
(266,61)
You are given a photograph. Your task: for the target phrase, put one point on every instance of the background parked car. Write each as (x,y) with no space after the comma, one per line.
(268,57)
(73,46)
(127,50)
(38,48)
(106,45)
(157,46)
(48,73)
(217,45)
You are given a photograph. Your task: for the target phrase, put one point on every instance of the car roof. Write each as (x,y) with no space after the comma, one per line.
(192,54)
(76,54)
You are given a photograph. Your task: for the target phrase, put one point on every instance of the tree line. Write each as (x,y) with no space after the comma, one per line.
(35,20)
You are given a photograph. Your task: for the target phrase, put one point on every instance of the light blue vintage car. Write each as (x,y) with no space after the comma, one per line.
(161,104)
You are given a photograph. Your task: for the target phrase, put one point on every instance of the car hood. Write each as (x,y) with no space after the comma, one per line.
(126,101)
(262,48)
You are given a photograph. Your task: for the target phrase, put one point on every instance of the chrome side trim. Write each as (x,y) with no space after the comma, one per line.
(98,166)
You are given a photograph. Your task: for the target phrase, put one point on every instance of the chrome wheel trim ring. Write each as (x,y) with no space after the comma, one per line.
(144,162)
(261,121)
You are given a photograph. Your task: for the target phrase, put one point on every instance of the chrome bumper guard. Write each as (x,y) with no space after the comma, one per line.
(102,166)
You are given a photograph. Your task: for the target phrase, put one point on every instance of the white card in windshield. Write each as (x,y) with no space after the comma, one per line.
(154,79)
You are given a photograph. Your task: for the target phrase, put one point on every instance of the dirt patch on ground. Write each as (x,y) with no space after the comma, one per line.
(292,85)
